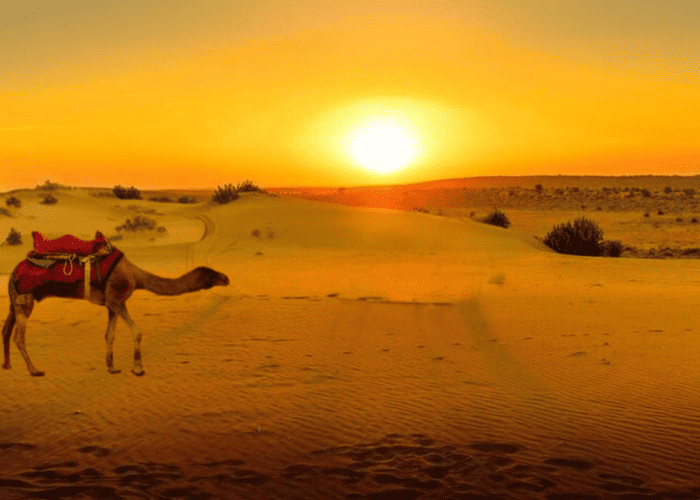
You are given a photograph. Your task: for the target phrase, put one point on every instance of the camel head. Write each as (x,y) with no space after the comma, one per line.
(209,278)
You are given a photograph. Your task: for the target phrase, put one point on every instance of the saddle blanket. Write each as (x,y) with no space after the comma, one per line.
(68,244)
(31,276)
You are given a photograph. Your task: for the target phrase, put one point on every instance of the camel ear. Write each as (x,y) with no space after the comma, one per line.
(98,235)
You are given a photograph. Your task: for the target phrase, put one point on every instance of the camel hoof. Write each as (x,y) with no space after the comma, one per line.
(37,374)
(139,373)
(114,370)
(6,366)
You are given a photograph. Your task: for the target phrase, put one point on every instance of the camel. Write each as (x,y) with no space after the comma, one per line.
(123,280)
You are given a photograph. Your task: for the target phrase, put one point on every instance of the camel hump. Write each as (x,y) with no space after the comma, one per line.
(68,244)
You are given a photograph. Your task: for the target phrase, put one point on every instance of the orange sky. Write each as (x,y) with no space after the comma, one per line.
(196,94)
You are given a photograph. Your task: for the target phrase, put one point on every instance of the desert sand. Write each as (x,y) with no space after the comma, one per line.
(359,353)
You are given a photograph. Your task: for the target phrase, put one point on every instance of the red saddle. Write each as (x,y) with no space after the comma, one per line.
(68,244)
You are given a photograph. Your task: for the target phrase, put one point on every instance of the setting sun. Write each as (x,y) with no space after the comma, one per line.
(382,146)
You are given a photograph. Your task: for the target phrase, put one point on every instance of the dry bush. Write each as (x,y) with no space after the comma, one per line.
(187,199)
(124,193)
(14,237)
(161,199)
(49,199)
(247,186)
(138,224)
(225,194)
(497,218)
(13,202)
(583,237)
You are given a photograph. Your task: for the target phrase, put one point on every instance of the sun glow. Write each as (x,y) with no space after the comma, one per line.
(382,146)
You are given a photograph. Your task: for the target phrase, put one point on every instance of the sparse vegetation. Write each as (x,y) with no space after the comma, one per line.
(668,190)
(187,199)
(138,224)
(255,233)
(49,186)
(583,237)
(4,211)
(124,193)
(225,194)
(161,199)
(13,202)
(49,199)
(247,186)
(646,193)
(611,248)
(14,237)
(646,214)
(497,218)
(538,188)
(660,212)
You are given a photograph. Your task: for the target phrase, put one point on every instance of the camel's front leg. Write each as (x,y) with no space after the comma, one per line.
(23,309)
(109,337)
(137,369)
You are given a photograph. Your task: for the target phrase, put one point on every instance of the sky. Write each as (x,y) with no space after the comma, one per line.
(193,94)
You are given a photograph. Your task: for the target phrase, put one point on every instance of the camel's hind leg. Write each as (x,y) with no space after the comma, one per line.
(23,306)
(120,309)
(6,334)
(109,337)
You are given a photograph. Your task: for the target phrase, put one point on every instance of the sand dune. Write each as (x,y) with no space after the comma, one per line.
(359,353)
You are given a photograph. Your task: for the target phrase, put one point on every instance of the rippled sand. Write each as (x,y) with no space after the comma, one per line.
(360,353)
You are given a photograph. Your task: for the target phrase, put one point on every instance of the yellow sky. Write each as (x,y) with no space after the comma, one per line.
(195,94)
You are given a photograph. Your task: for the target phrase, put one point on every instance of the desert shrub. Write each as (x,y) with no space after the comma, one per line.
(13,202)
(679,219)
(161,229)
(668,190)
(187,199)
(611,248)
(646,214)
(124,193)
(49,199)
(559,191)
(615,190)
(14,237)
(255,233)
(511,193)
(660,212)
(225,194)
(138,224)
(574,189)
(646,193)
(161,199)
(49,186)
(690,192)
(694,220)
(583,237)
(4,211)
(538,188)
(246,186)
(497,218)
